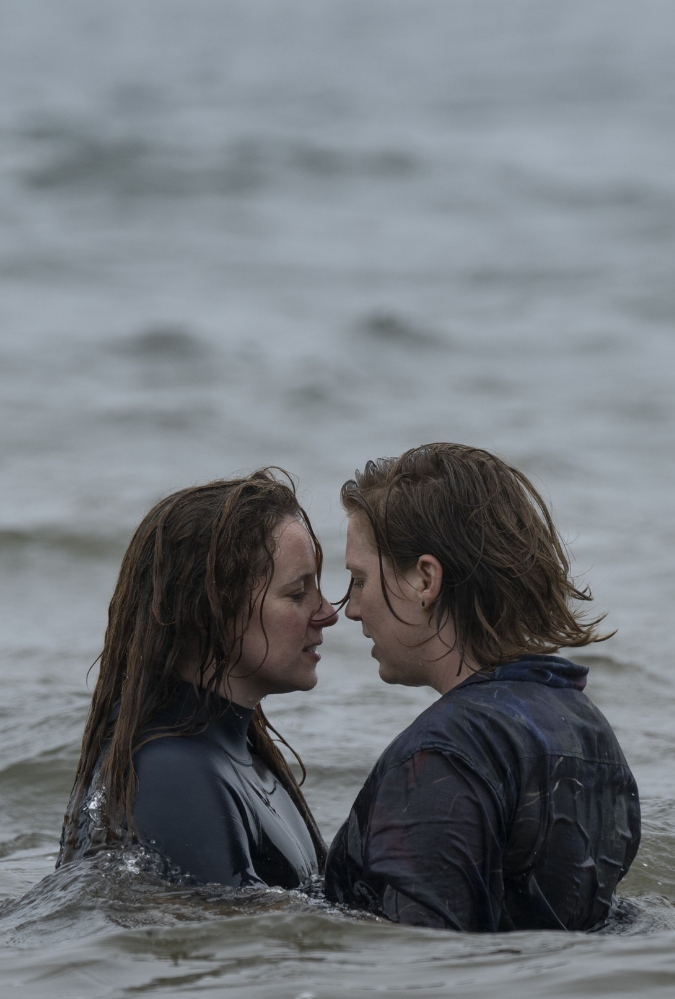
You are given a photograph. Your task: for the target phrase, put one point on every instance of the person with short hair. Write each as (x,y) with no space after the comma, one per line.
(508,803)
(217,605)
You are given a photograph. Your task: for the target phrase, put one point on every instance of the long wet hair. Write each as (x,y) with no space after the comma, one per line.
(506,582)
(187,586)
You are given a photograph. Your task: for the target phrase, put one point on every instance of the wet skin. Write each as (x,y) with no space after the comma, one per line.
(410,651)
(279,650)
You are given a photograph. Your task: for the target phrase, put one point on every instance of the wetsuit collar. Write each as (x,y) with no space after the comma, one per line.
(229,727)
(553,671)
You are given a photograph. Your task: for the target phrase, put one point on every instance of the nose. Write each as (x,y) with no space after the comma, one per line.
(326,616)
(351,610)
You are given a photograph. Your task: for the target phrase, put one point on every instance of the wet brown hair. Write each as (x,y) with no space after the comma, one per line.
(188,584)
(506,571)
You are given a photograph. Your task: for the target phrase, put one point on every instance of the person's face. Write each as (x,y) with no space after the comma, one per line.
(395,643)
(280,653)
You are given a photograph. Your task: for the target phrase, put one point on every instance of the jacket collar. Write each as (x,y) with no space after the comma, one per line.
(552,671)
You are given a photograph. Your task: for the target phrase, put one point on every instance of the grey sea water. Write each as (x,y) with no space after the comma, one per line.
(312,232)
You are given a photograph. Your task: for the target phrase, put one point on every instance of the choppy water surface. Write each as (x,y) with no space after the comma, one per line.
(310,232)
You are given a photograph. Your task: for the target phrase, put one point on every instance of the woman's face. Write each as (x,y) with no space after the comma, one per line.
(280,653)
(392,639)
(406,644)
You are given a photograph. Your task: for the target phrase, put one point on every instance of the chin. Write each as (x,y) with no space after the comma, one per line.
(309,684)
(388,675)
(306,681)
(397,677)
(302,678)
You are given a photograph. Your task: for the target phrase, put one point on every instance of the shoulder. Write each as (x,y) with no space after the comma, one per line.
(444,725)
(170,759)
(181,787)
(491,725)
(169,748)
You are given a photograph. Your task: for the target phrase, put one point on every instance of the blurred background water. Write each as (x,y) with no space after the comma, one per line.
(309,233)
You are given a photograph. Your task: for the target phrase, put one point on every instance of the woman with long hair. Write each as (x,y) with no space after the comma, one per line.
(217,605)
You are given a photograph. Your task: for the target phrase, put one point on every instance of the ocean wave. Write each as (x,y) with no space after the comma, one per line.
(78,544)
(163,342)
(391,329)
(83,159)
(130,887)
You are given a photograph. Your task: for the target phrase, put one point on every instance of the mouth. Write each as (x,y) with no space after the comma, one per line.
(311,650)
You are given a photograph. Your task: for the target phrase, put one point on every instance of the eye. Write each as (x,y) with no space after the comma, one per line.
(356,584)
(299,596)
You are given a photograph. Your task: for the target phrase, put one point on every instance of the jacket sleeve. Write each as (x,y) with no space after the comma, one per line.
(431,846)
(189,815)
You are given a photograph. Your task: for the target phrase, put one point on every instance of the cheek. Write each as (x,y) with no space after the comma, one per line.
(373,605)
(287,626)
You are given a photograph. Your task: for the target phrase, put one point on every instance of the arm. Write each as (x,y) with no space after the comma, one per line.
(431,847)
(189,815)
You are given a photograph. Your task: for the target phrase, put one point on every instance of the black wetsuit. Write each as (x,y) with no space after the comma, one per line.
(211,807)
(506,805)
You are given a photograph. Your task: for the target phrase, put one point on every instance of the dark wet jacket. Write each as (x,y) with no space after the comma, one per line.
(507,805)
(210,806)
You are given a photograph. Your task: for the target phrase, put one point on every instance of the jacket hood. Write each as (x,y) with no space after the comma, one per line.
(552,671)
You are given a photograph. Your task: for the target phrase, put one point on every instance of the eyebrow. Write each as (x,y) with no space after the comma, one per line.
(350,567)
(300,579)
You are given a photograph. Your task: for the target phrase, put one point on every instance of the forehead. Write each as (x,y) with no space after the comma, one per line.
(361,549)
(294,552)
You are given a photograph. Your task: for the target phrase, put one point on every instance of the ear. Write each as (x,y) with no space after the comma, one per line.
(429,578)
